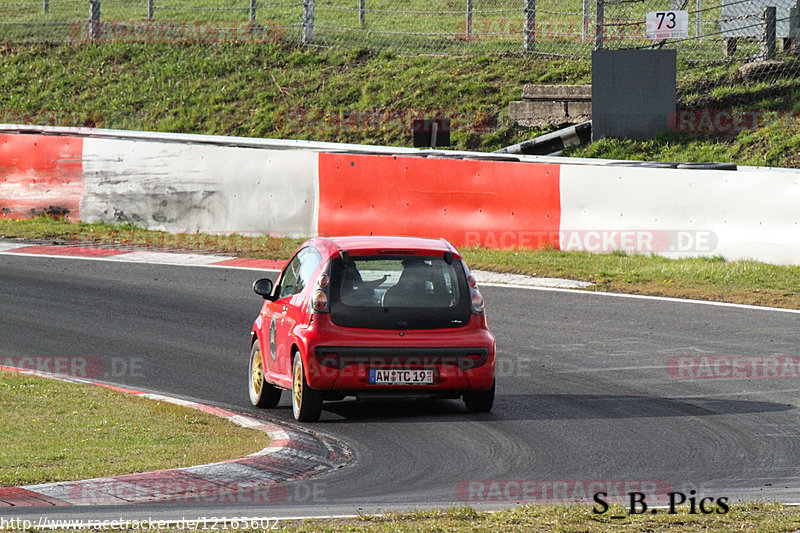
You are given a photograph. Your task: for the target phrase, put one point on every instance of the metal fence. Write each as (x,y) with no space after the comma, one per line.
(566,28)
(440,26)
(720,32)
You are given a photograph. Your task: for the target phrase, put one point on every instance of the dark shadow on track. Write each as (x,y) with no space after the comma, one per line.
(545,407)
(606,406)
(407,410)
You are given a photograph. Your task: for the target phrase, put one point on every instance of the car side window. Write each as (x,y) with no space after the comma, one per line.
(310,261)
(290,277)
(299,271)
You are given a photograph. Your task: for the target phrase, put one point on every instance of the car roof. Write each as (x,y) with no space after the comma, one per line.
(368,244)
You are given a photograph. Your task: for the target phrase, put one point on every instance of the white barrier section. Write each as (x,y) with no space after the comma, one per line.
(749,213)
(187,187)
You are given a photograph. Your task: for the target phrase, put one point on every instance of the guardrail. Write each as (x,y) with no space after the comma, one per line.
(187,183)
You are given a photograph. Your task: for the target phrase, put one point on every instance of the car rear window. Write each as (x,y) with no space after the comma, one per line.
(399,292)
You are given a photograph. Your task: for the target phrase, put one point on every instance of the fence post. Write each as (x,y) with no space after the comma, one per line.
(530,25)
(252,10)
(598,26)
(151,9)
(362,12)
(769,16)
(94,20)
(731,45)
(47,6)
(699,19)
(469,20)
(308,21)
(585,28)
(794,30)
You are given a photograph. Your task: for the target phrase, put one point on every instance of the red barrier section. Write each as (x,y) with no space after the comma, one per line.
(40,174)
(246,262)
(69,251)
(496,204)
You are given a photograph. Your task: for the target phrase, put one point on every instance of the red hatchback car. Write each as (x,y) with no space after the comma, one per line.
(371,317)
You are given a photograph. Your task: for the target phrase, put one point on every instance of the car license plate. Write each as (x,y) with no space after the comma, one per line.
(401,377)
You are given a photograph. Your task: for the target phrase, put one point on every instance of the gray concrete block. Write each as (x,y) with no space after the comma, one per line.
(579,109)
(528,109)
(556,92)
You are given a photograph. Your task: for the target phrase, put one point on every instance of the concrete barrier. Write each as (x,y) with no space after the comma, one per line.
(295,188)
(751,213)
(197,187)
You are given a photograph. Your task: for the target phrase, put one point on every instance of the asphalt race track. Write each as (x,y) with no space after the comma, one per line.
(584,392)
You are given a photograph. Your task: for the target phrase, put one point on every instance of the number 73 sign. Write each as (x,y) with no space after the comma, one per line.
(667,25)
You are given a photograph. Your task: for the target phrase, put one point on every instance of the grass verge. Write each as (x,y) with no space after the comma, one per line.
(62,432)
(568,518)
(715,279)
(58,230)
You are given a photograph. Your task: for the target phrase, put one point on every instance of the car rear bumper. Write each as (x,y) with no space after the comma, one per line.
(347,368)
(339,358)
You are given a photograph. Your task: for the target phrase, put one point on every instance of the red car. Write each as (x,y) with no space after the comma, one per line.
(371,317)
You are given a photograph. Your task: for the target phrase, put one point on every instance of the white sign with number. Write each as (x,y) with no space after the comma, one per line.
(667,25)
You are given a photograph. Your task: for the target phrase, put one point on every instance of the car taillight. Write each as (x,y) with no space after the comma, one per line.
(477,297)
(477,302)
(319,301)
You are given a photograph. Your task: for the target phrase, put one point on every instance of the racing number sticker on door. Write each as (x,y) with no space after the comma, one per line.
(273,349)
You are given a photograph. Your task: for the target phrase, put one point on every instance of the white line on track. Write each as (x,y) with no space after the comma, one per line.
(166,258)
(645,297)
(9,246)
(254,269)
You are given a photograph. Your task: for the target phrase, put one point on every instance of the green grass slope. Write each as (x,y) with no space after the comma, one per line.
(270,90)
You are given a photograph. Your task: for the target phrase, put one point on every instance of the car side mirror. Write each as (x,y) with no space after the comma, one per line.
(263,287)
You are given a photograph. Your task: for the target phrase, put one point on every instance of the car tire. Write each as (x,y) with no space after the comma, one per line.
(262,394)
(306,402)
(479,401)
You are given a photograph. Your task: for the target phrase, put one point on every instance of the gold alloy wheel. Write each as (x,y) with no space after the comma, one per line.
(298,384)
(306,402)
(257,373)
